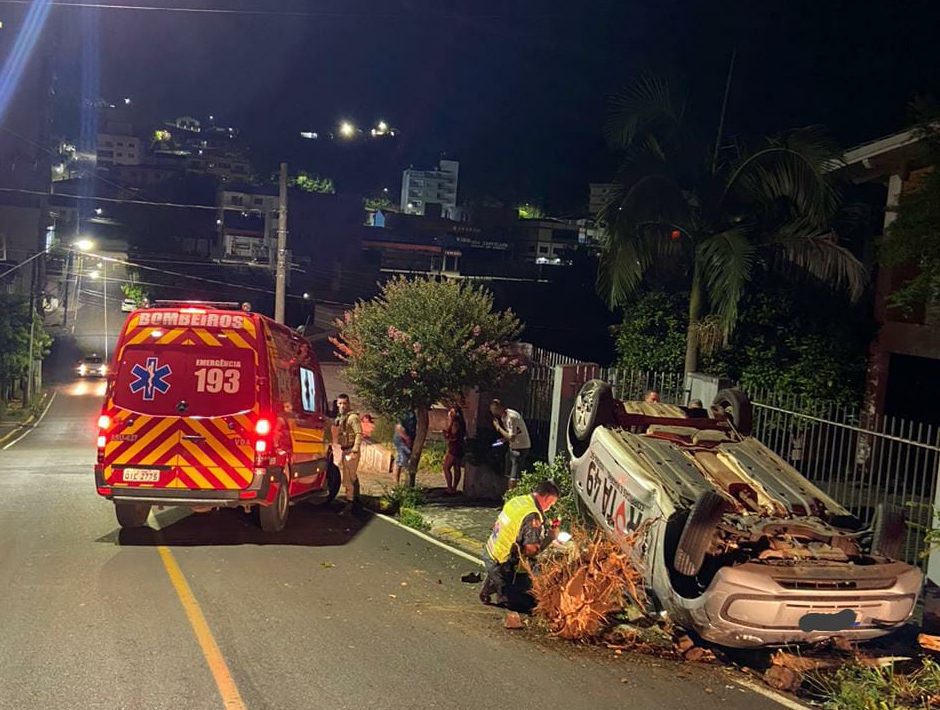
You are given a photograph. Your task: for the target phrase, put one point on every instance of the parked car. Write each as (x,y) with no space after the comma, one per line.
(209,406)
(128,305)
(735,544)
(92,366)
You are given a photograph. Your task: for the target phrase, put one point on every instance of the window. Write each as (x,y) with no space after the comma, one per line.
(258,201)
(543,249)
(308,390)
(237,200)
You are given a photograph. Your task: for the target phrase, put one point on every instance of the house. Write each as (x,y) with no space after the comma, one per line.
(904,369)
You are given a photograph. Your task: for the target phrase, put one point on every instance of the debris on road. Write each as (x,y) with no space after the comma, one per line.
(513,621)
(578,587)
(471,578)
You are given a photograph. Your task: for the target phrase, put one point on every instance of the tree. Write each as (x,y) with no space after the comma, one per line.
(15,325)
(528,210)
(797,342)
(423,341)
(312,183)
(718,215)
(913,239)
(134,291)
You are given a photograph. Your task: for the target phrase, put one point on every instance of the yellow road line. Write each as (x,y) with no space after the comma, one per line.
(231,698)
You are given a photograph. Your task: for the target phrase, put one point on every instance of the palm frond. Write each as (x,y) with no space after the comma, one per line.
(789,178)
(726,261)
(647,105)
(822,257)
(636,232)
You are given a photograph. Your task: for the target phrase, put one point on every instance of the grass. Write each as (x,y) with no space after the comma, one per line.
(413,519)
(859,687)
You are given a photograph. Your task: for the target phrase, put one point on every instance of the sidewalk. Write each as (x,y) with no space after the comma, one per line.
(15,422)
(462,522)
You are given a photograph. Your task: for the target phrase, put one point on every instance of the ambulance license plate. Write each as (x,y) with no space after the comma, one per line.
(140,475)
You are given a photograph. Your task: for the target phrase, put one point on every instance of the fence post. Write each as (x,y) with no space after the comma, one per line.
(568,380)
(931,624)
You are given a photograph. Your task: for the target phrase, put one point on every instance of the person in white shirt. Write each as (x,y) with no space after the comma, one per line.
(511,427)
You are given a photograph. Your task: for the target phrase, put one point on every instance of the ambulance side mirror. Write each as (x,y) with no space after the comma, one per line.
(331,410)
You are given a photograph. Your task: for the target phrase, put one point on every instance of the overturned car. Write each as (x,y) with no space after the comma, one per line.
(738,546)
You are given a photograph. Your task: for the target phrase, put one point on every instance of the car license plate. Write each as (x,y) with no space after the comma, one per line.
(140,475)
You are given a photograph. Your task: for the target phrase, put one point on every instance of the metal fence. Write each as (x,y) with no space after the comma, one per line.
(538,402)
(860,464)
(634,384)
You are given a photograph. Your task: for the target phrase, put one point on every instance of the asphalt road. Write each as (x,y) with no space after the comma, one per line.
(331,613)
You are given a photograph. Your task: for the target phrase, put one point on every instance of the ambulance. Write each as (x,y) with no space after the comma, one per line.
(209,405)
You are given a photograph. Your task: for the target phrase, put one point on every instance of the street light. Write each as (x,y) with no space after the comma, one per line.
(346,129)
(84,245)
(383,126)
(95,274)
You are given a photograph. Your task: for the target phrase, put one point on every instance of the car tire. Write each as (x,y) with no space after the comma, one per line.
(593,406)
(132,515)
(889,531)
(698,532)
(737,407)
(273,518)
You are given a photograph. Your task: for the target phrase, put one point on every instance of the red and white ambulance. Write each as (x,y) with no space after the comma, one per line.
(210,405)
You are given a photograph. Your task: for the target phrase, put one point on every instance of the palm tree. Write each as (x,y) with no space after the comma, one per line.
(719,214)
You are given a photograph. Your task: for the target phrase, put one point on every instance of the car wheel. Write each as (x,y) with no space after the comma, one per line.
(593,406)
(737,407)
(273,518)
(132,515)
(889,531)
(698,533)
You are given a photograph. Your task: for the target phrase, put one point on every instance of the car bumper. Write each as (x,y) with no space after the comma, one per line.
(260,492)
(760,605)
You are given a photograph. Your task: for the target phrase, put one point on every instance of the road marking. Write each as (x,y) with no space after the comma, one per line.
(33,425)
(778,698)
(433,541)
(231,698)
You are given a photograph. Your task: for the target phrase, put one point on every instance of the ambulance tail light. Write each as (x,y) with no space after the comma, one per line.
(104,423)
(263,443)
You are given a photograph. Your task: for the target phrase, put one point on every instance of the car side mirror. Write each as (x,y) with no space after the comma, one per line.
(332,411)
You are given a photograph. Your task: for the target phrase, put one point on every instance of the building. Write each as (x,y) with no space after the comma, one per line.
(600,195)
(248,222)
(431,193)
(546,241)
(904,369)
(119,150)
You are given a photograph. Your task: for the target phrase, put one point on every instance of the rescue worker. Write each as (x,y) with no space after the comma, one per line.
(520,530)
(349,438)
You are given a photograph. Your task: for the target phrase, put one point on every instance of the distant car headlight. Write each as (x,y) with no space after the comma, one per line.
(104,369)
(82,369)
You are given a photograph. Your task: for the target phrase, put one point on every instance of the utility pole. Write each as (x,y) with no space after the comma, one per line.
(104,292)
(280,279)
(724,109)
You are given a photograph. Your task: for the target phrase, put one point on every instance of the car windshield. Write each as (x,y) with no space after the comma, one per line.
(93,360)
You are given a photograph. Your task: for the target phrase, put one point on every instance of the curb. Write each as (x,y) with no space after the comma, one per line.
(25,423)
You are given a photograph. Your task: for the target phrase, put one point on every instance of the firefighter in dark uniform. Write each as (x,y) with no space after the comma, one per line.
(520,530)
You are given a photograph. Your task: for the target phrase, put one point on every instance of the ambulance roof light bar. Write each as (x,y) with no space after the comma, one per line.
(217,305)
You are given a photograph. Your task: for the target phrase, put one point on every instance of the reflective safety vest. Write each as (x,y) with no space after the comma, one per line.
(508,524)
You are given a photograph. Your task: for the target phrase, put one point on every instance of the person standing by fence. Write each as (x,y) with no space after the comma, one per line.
(511,427)
(455,434)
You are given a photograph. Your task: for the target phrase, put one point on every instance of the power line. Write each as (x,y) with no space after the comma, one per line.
(336,14)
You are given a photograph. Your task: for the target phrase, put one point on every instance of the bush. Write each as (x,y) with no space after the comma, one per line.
(860,687)
(560,474)
(402,497)
(432,459)
(413,519)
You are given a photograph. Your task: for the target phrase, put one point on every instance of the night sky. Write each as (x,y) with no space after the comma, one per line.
(515,90)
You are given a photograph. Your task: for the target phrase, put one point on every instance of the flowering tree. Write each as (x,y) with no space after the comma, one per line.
(423,341)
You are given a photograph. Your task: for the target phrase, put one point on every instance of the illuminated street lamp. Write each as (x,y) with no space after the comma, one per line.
(382,127)
(95,274)
(346,129)
(84,245)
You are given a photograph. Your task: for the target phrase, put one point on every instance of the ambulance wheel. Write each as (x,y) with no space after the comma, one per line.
(273,517)
(334,481)
(132,515)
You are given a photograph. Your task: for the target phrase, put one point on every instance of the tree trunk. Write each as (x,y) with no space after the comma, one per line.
(421,435)
(695,316)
